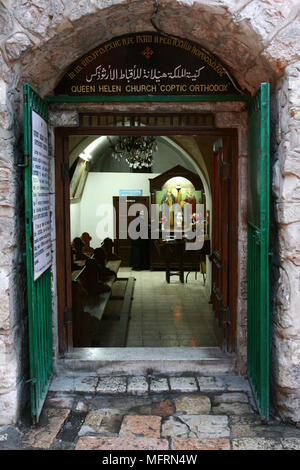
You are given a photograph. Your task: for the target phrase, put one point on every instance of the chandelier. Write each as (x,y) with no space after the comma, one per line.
(137,151)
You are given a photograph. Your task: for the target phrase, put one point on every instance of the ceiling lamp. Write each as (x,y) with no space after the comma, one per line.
(137,151)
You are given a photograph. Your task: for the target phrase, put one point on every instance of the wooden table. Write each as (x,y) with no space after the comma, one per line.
(173,252)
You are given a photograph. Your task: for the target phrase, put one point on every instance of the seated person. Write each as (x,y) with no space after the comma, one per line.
(87,249)
(100,258)
(78,248)
(74,266)
(107,246)
(91,280)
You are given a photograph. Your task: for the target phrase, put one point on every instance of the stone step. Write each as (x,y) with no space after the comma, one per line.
(140,385)
(208,361)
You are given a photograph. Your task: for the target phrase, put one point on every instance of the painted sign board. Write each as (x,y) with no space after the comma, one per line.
(40,196)
(130,192)
(147,64)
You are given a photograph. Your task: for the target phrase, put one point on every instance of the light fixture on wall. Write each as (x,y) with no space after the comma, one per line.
(137,151)
(85,156)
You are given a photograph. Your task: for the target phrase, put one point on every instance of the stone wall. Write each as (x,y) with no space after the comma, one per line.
(13,314)
(285,285)
(258,40)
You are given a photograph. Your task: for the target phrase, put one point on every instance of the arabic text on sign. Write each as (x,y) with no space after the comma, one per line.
(138,73)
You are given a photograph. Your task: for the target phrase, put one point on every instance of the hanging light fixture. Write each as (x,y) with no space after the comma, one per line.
(137,151)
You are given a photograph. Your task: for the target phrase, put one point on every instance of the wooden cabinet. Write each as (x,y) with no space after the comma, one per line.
(121,238)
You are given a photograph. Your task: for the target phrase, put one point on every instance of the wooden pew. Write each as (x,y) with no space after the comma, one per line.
(93,307)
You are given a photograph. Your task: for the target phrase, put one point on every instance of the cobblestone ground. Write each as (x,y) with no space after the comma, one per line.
(151,413)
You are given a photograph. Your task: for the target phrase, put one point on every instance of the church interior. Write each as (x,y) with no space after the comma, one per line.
(151,291)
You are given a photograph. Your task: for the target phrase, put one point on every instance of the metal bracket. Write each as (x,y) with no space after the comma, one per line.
(67,315)
(225,170)
(215,258)
(225,312)
(216,292)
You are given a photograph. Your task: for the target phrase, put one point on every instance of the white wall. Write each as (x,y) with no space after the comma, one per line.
(100,189)
(75,220)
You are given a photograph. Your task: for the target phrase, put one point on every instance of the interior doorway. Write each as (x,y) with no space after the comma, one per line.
(196,305)
(123,243)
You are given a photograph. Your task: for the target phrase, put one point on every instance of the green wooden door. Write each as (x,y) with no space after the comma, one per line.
(258,247)
(38,246)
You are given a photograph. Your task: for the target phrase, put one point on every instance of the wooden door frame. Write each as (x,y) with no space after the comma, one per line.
(62,215)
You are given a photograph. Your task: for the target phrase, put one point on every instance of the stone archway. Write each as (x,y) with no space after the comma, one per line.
(39,39)
(47,36)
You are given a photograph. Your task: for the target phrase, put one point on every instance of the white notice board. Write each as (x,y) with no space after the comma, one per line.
(40,196)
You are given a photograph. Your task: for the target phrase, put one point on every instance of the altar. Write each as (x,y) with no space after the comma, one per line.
(180,200)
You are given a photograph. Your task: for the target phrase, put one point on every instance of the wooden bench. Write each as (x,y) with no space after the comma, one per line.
(95,305)
(77,273)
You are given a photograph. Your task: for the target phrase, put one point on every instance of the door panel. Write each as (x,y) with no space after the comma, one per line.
(38,283)
(258,247)
(220,239)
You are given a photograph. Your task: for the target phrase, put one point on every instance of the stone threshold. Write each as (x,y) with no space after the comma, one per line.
(144,385)
(143,361)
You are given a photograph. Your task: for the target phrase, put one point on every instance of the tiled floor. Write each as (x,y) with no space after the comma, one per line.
(164,315)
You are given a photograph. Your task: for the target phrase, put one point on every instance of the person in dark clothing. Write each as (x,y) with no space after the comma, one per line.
(139,255)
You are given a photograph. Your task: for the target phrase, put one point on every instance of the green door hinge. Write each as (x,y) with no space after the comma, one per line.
(26,161)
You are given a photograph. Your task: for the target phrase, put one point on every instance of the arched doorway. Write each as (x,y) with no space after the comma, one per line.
(226,280)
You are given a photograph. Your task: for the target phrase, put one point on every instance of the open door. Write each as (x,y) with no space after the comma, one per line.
(38,246)
(258,247)
(220,240)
